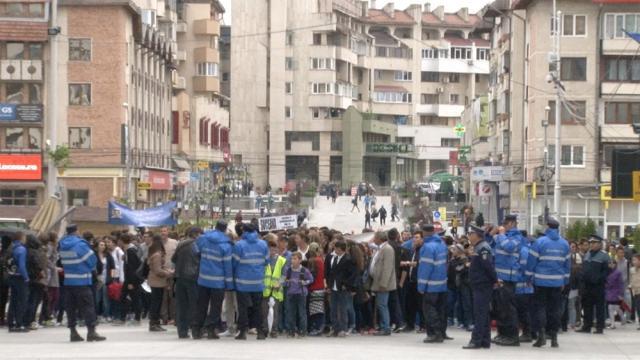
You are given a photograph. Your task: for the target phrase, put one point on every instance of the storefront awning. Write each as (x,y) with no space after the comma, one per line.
(181,163)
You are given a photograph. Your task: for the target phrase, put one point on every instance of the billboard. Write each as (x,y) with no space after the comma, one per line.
(21,167)
(274,223)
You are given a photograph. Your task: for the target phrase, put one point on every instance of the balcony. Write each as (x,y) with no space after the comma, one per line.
(392,108)
(206,54)
(206,27)
(616,88)
(622,133)
(441,110)
(30,70)
(456,66)
(206,84)
(618,47)
(391,63)
(346,55)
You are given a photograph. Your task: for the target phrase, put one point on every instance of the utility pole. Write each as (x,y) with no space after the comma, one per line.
(545,172)
(52,96)
(556,58)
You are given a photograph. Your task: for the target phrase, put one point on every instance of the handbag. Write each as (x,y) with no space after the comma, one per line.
(114,291)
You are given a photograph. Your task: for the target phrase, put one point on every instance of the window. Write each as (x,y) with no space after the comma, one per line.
(17,9)
(14,138)
(454,78)
(225,76)
(80,94)
(78,197)
(430,53)
(80,138)
(429,76)
(321,88)
(288,87)
(622,69)
(577,115)
(403,76)
(454,99)
(35,51)
(574,25)
(622,113)
(573,69)
(615,24)
(450,142)
(288,63)
(336,141)
(18,197)
(80,49)
(482,54)
(391,97)
(317,39)
(506,139)
(288,113)
(427,99)
(571,155)
(315,113)
(302,136)
(289,39)
(323,64)
(378,74)
(461,53)
(207,69)
(15,51)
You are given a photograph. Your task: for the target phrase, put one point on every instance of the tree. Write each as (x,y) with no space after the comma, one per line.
(580,229)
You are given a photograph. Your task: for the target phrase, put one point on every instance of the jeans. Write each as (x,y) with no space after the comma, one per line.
(573,309)
(382,305)
(413,302)
(297,313)
(465,316)
(157,294)
(339,310)
(230,309)
(186,300)
(36,294)
(351,312)
(53,294)
(17,301)
(103,303)
(395,310)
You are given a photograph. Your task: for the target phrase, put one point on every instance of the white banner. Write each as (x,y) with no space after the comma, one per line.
(274,223)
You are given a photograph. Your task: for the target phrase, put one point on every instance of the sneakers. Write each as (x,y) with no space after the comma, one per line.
(341,334)
(252,331)
(34,326)
(228,333)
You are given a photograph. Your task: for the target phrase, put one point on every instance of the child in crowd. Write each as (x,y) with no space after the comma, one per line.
(296,280)
(614,293)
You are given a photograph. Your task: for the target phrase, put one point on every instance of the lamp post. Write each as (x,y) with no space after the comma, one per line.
(545,171)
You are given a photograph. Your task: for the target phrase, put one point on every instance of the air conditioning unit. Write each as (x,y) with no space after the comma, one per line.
(440,90)
(31,69)
(10,70)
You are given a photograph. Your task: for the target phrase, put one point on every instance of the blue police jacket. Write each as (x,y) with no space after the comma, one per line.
(250,257)
(549,261)
(524,285)
(482,273)
(432,269)
(78,261)
(19,255)
(408,245)
(507,253)
(216,270)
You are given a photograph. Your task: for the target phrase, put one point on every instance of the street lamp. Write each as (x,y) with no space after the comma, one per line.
(545,172)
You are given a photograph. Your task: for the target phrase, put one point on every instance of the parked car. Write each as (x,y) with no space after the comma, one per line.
(16,223)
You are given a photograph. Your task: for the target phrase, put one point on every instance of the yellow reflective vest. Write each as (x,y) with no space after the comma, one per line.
(272,279)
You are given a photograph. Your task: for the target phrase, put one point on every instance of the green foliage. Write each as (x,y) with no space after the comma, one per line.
(580,229)
(634,238)
(60,156)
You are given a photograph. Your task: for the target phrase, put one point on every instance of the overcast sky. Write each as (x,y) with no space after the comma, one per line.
(449,5)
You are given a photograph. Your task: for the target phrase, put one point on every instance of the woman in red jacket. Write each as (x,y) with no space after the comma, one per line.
(316,290)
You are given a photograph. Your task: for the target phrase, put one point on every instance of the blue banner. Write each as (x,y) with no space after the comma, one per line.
(8,112)
(153,217)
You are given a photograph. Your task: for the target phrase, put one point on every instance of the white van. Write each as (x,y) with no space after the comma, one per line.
(15,223)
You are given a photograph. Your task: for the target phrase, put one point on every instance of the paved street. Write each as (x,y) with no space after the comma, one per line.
(339,216)
(138,343)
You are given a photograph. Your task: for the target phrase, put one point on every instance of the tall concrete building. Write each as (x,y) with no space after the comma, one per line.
(200,134)
(342,91)
(598,68)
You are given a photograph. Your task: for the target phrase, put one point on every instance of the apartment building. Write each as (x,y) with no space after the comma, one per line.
(114,94)
(599,105)
(342,91)
(23,57)
(200,123)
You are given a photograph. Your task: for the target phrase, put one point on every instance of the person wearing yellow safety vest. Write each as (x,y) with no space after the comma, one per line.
(273,288)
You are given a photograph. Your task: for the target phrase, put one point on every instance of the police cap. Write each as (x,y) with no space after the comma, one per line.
(595,238)
(552,222)
(476,230)
(71,228)
(428,228)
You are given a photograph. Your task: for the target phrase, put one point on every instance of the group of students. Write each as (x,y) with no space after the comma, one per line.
(313,282)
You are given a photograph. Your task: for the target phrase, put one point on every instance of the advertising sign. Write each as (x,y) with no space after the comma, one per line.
(21,112)
(21,167)
(274,223)
(487,173)
(159,180)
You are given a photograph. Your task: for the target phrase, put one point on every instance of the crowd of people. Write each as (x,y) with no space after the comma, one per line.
(320,282)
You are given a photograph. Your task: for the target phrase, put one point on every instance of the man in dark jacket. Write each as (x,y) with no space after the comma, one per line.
(595,269)
(131,290)
(187,266)
(340,274)
(18,279)
(37,269)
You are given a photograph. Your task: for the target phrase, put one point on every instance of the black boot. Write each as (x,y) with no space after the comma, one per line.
(542,339)
(212,334)
(242,335)
(92,335)
(196,334)
(554,341)
(525,337)
(156,328)
(75,337)
(261,335)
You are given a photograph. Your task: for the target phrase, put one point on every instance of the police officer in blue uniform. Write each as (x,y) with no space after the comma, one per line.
(507,259)
(595,269)
(482,277)
(524,294)
(432,284)
(549,264)
(78,262)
